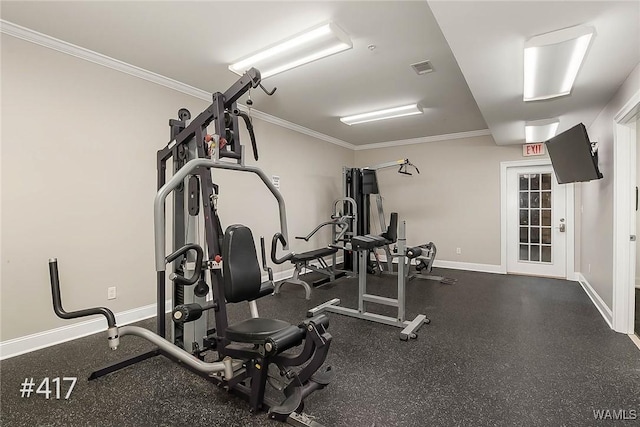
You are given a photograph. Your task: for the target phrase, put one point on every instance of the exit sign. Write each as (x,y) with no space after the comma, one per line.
(533,149)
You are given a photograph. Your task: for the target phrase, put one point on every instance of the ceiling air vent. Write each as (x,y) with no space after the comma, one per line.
(423,67)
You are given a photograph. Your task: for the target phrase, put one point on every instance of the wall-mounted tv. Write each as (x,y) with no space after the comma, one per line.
(572,156)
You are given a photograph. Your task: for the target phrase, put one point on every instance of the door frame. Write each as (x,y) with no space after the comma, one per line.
(570,215)
(624,167)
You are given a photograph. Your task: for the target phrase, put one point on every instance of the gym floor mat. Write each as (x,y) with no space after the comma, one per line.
(500,350)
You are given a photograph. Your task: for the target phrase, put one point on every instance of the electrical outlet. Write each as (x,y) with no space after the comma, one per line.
(589,268)
(111,293)
(458,251)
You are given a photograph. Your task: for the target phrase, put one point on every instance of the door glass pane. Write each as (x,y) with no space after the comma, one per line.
(534,199)
(534,217)
(535,252)
(535,182)
(534,234)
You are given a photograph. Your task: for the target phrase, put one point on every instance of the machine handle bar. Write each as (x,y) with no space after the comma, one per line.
(181,280)
(274,242)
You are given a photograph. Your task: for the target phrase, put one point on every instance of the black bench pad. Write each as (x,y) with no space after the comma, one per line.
(311,255)
(255,330)
(368,242)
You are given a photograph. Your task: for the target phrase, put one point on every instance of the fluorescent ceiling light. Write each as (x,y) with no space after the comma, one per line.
(389,113)
(541,130)
(552,61)
(313,44)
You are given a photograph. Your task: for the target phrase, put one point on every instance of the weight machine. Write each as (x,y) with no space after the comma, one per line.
(241,353)
(362,245)
(359,184)
(350,217)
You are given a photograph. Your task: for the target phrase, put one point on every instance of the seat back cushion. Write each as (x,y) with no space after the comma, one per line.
(240,266)
(392,230)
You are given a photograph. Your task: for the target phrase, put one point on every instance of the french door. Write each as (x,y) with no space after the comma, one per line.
(536,222)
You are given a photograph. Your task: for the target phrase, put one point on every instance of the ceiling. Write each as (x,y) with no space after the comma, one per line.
(487,40)
(475,49)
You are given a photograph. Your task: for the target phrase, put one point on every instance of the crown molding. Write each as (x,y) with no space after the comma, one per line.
(423,140)
(297,128)
(62,46)
(44,40)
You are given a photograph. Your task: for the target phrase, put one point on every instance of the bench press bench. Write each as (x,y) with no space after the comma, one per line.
(303,260)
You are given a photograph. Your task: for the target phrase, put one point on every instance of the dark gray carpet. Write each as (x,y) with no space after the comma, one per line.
(500,350)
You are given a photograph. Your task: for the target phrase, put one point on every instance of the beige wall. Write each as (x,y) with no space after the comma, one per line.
(455,201)
(310,174)
(78,180)
(596,239)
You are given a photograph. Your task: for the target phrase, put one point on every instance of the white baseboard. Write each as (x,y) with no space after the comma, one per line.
(597,301)
(456,265)
(635,340)
(483,268)
(279,275)
(29,343)
(37,341)
(574,277)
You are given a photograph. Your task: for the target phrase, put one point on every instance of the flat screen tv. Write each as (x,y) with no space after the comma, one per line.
(572,156)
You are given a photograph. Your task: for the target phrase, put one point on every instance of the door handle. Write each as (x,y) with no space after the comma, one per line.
(562,227)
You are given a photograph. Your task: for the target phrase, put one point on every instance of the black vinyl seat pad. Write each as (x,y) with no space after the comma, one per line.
(255,330)
(368,241)
(315,254)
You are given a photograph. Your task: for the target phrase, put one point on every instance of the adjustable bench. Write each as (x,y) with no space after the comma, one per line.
(303,261)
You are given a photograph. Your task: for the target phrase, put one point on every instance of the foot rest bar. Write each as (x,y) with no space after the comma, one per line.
(409,330)
(380,300)
(320,308)
(412,327)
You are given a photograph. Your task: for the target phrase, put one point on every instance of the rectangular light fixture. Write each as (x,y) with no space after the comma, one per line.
(552,61)
(541,130)
(311,45)
(389,113)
